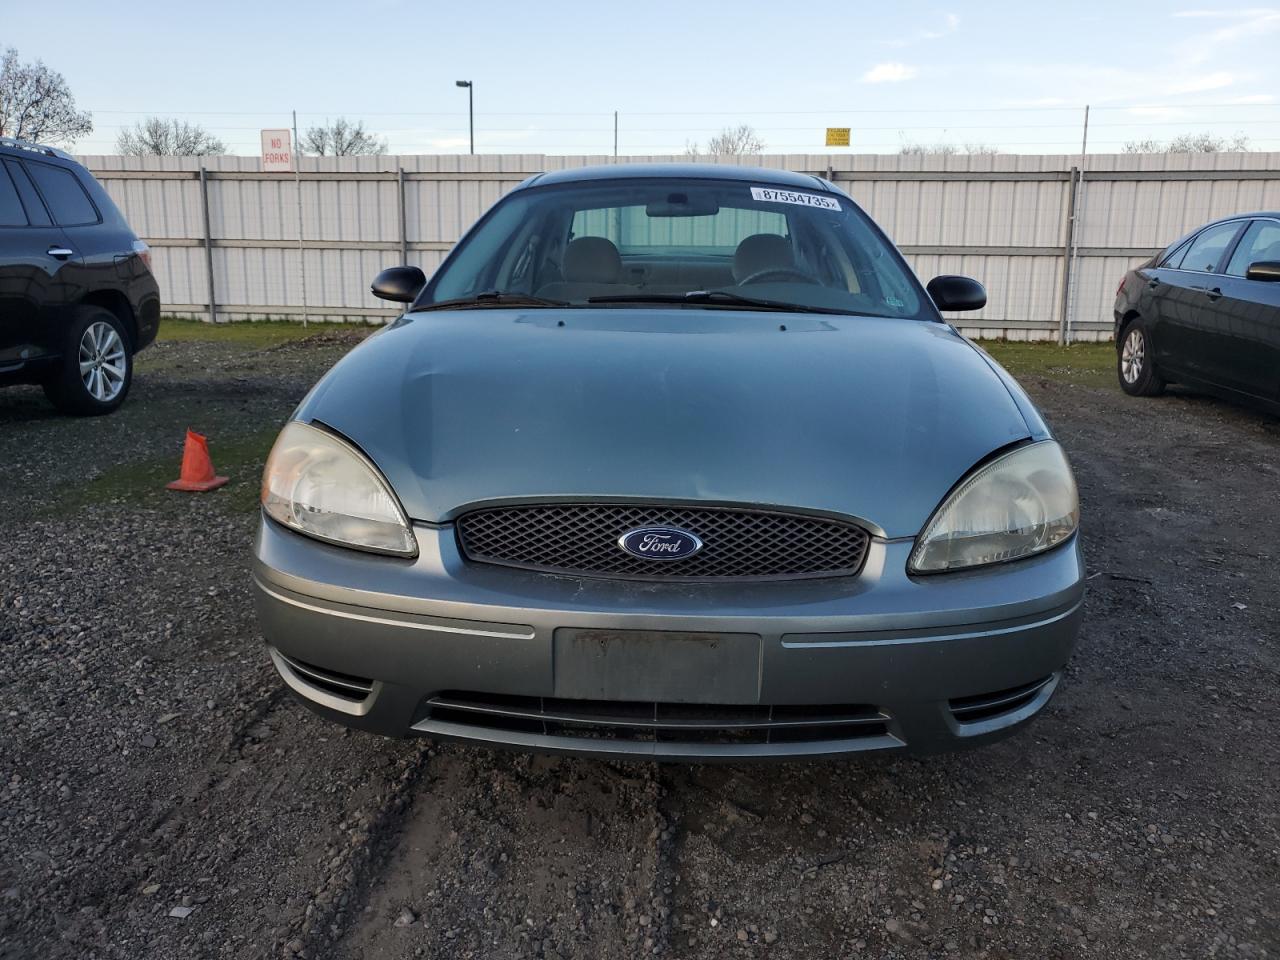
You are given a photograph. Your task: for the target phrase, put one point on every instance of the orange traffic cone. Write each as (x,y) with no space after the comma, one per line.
(197,468)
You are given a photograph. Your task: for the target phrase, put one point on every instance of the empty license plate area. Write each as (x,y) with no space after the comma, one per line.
(657,665)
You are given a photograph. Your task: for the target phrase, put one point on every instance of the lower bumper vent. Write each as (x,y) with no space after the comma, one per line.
(988,706)
(330,681)
(658,722)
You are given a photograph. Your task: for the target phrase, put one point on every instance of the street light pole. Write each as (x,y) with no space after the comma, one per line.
(471,110)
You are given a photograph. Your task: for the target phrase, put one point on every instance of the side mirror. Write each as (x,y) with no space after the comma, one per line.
(1263,270)
(401,284)
(950,292)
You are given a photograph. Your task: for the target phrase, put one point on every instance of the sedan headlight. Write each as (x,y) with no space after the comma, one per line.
(1017,505)
(320,485)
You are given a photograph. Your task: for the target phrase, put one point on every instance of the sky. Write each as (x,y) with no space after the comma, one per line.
(548,77)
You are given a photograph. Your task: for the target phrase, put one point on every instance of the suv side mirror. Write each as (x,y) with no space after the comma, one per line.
(1263,270)
(950,292)
(401,284)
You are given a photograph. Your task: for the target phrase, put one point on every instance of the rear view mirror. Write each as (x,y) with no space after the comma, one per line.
(950,292)
(679,205)
(400,284)
(1264,270)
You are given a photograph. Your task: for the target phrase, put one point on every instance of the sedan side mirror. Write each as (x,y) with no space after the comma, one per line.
(1263,270)
(950,292)
(401,284)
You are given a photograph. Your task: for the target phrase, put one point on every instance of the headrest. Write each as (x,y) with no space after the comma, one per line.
(1271,253)
(591,260)
(761,251)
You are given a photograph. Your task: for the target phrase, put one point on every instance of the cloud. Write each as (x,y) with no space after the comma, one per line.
(1100,84)
(1243,24)
(950,25)
(1237,14)
(889,73)
(1160,113)
(1203,82)
(1040,102)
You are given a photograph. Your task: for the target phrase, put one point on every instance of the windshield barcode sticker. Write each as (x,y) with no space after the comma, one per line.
(790,196)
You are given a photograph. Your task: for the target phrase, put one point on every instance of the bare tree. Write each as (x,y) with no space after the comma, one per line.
(342,138)
(739,141)
(158,137)
(36,104)
(1144,146)
(1191,143)
(948,150)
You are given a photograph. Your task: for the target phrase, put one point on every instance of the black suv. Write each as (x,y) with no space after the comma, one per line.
(77,298)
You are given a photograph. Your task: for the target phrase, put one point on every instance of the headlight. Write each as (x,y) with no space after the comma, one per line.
(320,485)
(1017,505)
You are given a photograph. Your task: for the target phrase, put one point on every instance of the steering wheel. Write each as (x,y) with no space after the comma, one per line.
(760,275)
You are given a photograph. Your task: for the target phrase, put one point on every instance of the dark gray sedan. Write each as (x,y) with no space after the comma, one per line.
(676,462)
(1206,312)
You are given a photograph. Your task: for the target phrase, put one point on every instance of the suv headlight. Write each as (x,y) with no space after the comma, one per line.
(320,485)
(1019,504)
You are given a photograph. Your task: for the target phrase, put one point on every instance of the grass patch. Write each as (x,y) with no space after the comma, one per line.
(249,333)
(1091,364)
(143,482)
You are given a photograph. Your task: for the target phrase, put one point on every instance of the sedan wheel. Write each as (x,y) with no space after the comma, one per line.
(1138,376)
(1133,355)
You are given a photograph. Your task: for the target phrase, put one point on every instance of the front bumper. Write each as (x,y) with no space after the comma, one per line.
(881,662)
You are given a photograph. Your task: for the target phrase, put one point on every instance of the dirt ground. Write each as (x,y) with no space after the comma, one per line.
(160,796)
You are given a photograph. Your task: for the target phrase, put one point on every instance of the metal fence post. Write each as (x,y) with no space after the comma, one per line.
(404,233)
(1077,214)
(1068,249)
(297,186)
(208,242)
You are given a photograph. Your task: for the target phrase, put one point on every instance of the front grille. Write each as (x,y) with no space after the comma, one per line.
(581,539)
(645,721)
(987,706)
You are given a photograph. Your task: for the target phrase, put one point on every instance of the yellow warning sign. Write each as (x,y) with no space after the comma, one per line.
(837,136)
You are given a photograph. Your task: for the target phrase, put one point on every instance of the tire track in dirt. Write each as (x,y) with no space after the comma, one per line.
(514,856)
(358,857)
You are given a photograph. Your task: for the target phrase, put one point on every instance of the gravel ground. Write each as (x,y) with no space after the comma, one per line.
(161,797)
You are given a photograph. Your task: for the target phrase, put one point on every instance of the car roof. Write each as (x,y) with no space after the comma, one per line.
(26,147)
(1240,216)
(1183,238)
(680,171)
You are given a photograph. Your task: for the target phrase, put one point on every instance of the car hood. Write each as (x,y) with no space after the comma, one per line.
(869,417)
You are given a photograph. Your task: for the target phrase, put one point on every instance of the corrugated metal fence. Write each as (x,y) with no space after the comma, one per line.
(1050,245)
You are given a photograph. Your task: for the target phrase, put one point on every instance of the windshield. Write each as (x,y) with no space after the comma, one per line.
(669,242)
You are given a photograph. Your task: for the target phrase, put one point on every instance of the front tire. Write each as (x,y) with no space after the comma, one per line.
(96,370)
(1134,363)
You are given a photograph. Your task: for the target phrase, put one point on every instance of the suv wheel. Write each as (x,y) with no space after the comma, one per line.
(96,369)
(1135,364)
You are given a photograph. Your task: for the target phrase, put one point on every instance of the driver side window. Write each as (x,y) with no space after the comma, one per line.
(1260,242)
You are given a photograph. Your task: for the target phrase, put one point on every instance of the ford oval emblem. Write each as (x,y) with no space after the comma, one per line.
(660,543)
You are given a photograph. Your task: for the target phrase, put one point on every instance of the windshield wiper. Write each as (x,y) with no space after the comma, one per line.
(727,297)
(493,298)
